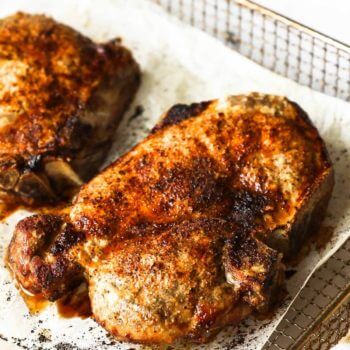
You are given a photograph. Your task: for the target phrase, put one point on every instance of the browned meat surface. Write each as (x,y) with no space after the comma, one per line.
(185,233)
(61,98)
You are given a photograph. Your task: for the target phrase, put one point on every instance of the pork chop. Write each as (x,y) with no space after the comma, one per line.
(185,233)
(61,99)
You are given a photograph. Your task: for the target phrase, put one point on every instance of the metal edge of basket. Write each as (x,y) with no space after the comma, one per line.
(290,22)
(326,314)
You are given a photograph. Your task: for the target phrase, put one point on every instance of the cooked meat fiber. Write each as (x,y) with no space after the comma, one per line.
(61,99)
(185,233)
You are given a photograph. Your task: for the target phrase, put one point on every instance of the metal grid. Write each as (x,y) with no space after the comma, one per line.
(320,315)
(274,41)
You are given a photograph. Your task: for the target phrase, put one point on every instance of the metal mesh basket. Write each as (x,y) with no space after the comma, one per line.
(274,41)
(320,315)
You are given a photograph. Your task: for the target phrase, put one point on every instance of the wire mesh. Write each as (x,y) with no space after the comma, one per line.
(320,315)
(274,41)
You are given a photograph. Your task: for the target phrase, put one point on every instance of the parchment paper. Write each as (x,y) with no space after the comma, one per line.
(180,64)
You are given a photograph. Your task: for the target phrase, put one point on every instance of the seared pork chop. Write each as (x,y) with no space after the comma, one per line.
(185,233)
(61,99)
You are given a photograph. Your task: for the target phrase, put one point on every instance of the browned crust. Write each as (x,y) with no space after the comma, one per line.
(212,185)
(63,76)
(183,291)
(205,192)
(38,256)
(232,317)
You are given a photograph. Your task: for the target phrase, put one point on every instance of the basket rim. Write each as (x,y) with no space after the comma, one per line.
(252,5)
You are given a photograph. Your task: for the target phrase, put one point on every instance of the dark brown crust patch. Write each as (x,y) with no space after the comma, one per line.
(180,112)
(254,266)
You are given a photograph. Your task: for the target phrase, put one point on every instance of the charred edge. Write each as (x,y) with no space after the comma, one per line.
(180,112)
(301,113)
(41,223)
(66,240)
(244,248)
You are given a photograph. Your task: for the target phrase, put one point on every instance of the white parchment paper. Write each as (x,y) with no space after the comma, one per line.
(180,64)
